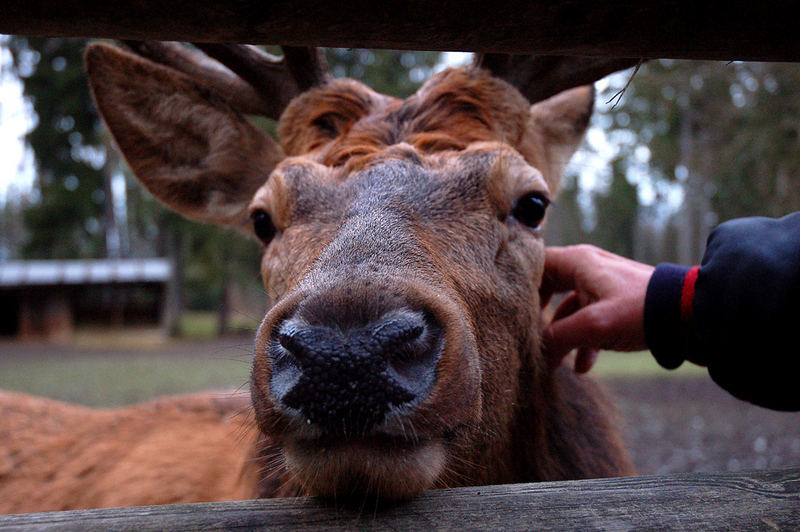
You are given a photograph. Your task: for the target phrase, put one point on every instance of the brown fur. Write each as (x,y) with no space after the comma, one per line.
(380,204)
(56,456)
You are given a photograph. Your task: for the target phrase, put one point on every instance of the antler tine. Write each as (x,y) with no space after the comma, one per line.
(539,77)
(253,81)
(267,74)
(209,73)
(307,65)
(277,80)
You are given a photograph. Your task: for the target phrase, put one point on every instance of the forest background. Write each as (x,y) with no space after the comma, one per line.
(685,146)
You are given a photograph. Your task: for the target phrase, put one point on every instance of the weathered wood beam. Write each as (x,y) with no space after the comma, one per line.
(734,29)
(768,500)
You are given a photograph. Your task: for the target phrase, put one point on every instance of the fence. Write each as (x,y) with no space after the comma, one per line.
(755,500)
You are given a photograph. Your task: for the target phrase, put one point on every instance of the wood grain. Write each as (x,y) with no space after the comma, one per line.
(755,500)
(735,29)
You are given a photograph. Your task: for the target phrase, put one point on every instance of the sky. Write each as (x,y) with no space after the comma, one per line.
(16,167)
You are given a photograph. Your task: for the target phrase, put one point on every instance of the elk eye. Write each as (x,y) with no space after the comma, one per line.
(530,209)
(262,225)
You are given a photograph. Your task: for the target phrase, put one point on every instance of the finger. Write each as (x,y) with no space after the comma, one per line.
(546,291)
(560,264)
(580,329)
(553,360)
(569,305)
(545,295)
(585,359)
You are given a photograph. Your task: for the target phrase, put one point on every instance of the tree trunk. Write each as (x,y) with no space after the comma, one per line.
(692,223)
(223,309)
(172,308)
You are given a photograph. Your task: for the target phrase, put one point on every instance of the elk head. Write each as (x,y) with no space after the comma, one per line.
(402,244)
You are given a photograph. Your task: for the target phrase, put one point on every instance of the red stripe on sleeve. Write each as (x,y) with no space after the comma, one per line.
(687,295)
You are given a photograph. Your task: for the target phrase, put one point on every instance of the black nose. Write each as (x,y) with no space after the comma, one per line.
(346,381)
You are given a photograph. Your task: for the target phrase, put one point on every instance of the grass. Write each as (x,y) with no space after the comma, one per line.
(640,364)
(202,325)
(197,325)
(104,367)
(99,378)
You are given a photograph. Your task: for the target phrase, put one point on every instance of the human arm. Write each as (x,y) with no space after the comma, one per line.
(736,313)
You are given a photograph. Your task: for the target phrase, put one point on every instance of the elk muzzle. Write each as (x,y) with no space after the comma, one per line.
(347,380)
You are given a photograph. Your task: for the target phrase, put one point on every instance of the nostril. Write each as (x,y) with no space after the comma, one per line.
(286,339)
(294,337)
(286,370)
(396,332)
(412,361)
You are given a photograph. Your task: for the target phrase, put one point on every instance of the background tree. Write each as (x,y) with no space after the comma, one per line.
(566,222)
(717,140)
(759,170)
(12,229)
(616,210)
(725,134)
(73,212)
(394,72)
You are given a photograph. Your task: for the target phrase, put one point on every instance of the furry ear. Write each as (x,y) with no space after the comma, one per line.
(558,125)
(183,142)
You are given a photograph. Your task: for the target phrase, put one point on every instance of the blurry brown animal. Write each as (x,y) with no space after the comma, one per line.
(403,254)
(55,456)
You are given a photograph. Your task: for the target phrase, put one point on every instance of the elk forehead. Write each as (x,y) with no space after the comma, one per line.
(346,122)
(301,189)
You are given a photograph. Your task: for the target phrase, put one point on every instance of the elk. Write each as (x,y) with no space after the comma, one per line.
(402,254)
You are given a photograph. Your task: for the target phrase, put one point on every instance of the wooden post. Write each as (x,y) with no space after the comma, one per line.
(736,29)
(756,500)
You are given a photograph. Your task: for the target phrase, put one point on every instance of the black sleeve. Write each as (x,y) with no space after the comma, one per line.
(737,312)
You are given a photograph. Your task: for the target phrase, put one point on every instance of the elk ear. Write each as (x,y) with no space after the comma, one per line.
(559,124)
(183,142)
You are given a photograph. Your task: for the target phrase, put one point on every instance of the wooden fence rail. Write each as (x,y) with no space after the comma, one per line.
(733,29)
(754,500)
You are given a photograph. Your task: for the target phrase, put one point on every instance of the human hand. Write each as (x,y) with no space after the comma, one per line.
(605,306)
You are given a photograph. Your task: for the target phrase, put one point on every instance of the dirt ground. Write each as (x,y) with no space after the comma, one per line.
(689,424)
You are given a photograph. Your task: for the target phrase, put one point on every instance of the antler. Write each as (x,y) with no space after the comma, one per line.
(255,82)
(539,77)
(251,80)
